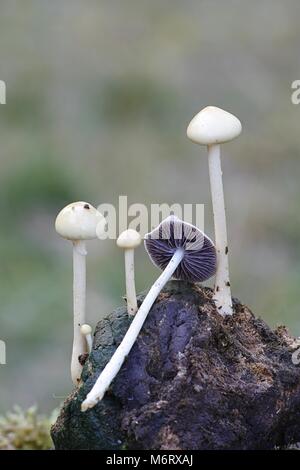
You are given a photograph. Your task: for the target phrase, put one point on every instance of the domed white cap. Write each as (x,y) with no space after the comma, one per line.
(86,329)
(79,221)
(129,239)
(213,126)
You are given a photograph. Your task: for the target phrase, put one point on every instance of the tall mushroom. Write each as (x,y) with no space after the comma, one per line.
(129,240)
(78,222)
(184,252)
(212,127)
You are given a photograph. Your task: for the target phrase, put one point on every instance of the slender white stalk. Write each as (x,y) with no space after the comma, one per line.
(222,292)
(130,281)
(86,331)
(89,342)
(79,292)
(114,365)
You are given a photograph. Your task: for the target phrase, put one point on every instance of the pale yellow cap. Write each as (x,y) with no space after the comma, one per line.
(86,329)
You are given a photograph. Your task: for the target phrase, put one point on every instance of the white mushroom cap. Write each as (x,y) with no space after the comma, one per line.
(78,221)
(86,329)
(129,239)
(213,125)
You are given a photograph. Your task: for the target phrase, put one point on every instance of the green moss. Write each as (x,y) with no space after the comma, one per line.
(26,429)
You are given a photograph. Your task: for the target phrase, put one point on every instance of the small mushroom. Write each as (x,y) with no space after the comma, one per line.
(129,240)
(184,252)
(78,222)
(86,331)
(212,127)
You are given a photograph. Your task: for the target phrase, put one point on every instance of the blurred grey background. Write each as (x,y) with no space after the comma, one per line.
(99,95)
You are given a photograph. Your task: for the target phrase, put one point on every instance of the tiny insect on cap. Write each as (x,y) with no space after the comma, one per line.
(213,125)
(78,221)
(199,260)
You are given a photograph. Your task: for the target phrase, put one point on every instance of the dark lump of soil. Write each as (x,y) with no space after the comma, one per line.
(193,380)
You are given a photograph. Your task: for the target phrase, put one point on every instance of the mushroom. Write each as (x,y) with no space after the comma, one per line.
(212,127)
(129,240)
(86,330)
(78,222)
(184,252)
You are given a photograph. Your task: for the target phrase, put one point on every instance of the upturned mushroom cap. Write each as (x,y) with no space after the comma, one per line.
(129,239)
(78,221)
(199,261)
(213,125)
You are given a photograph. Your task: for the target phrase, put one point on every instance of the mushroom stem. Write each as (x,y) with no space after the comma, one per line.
(89,342)
(222,292)
(114,365)
(130,282)
(79,292)
(86,331)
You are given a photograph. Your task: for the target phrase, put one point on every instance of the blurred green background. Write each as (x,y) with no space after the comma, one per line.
(99,95)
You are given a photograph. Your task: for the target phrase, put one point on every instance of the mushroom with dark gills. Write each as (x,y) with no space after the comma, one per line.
(78,222)
(212,127)
(183,252)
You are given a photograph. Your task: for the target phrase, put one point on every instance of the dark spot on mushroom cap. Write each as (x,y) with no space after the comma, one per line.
(226,250)
(86,206)
(217,288)
(228,283)
(199,261)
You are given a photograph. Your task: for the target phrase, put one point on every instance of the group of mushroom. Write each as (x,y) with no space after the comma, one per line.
(180,249)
